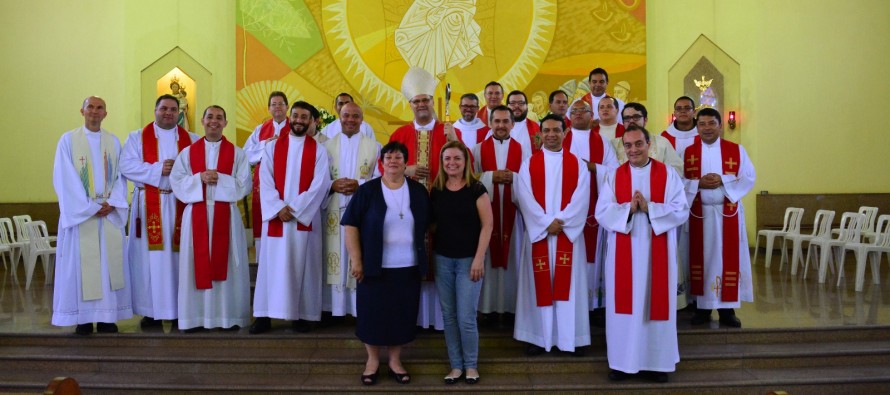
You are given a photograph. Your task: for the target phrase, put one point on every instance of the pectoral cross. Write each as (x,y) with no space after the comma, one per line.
(731,206)
(692,159)
(540,264)
(82,161)
(731,163)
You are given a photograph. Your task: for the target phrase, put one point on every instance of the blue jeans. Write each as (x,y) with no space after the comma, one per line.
(459,297)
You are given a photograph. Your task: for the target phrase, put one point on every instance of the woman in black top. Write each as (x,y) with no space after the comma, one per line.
(462,214)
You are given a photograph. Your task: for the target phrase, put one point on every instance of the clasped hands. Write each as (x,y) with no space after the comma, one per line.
(346,186)
(210,177)
(710,181)
(105,210)
(502,177)
(638,203)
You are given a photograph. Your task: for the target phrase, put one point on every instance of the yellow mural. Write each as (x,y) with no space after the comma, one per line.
(315,49)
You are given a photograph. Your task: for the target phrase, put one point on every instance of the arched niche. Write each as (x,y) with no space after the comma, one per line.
(158,74)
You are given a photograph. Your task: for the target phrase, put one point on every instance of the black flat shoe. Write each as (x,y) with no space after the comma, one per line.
(401,378)
(370,379)
(148,322)
(472,380)
(301,326)
(449,380)
(617,375)
(260,325)
(701,317)
(194,330)
(731,321)
(533,350)
(103,327)
(658,377)
(83,329)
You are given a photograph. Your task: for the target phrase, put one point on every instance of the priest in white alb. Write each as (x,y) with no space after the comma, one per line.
(353,161)
(155,213)
(640,207)
(472,129)
(553,193)
(294,180)
(498,158)
(92,275)
(211,176)
(331,129)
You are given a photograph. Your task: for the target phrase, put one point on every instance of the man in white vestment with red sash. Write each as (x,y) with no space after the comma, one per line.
(155,213)
(294,180)
(494,96)
(498,159)
(718,174)
(559,105)
(553,192)
(424,137)
(640,207)
(472,129)
(211,176)
(92,274)
(525,131)
(253,148)
(335,127)
(682,132)
(599,157)
(598,81)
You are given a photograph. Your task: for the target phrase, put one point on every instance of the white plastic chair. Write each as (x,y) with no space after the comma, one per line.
(873,250)
(17,247)
(821,228)
(833,248)
(791,225)
(867,227)
(20,222)
(40,246)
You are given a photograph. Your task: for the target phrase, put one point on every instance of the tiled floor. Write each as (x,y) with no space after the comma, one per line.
(781,301)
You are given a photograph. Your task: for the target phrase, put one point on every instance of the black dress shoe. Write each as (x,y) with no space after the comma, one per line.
(148,322)
(260,325)
(194,330)
(701,317)
(533,350)
(730,320)
(617,375)
(104,327)
(302,326)
(598,318)
(658,377)
(233,328)
(84,329)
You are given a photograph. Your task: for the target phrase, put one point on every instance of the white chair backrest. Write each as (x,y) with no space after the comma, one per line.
(4,237)
(851,227)
(38,234)
(793,215)
(883,237)
(8,230)
(20,221)
(822,224)
(870,213)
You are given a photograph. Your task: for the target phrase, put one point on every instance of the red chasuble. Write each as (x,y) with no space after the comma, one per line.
(562,278)
(267,131)
(279,172)
(153,223)
(499,246)
(211,265)
(482,114)
(670,138)
(408,135)
(591,227)
(658,295)
(730,154)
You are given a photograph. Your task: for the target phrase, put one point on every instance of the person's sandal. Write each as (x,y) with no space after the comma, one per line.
(401,378)
(369,379)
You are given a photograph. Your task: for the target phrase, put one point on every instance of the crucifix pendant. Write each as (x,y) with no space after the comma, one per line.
(401,216)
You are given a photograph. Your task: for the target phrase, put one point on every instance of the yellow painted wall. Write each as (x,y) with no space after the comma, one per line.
(814,86)
(56,52)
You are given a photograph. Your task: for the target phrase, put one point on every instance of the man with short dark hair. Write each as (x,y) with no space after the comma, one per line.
(598,81)
(93,214)
(335,127)
(682,131)
(155,213)
(640,207)
(553,191)
(471,128)
(211,176)
(559,105)
(525,131)
(718,174)
(660,148)
(494,96)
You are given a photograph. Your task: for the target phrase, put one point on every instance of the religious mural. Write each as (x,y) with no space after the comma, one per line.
(314,49)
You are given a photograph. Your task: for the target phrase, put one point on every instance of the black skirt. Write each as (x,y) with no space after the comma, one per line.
(387,307)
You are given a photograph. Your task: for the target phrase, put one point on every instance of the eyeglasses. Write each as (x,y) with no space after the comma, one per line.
(468,106)
(579,111)
(683,108)
(635,117)
(517,103)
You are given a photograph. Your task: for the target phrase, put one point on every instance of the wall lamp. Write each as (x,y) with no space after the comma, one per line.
(731,121)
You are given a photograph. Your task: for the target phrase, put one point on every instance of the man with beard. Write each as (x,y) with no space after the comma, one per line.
(498,159)
(559,105)
(335,127)
(660,148)
(471,128)
(494,96)
(253,148)
(525,131)
(294,181)
(598,81)
(682,131)
(155,213)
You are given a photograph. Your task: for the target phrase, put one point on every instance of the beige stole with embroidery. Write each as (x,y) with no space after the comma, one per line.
(88,231)
(367,152)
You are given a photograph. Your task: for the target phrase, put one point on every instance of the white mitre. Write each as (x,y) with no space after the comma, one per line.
(418,81)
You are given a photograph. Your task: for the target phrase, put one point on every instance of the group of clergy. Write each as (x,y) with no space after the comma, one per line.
(592,213)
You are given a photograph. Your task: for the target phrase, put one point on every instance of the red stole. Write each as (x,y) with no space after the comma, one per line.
(534,135)
(591,227)
(562,278)
(658,294)
(211,265)
(267,130)
(500,236)
(482,114)
(480,134)
(730,156)
(153,223)
(619,130)
(279,169)
(670,138)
